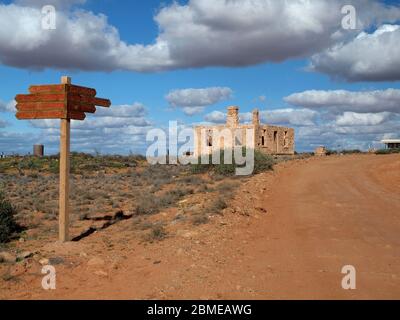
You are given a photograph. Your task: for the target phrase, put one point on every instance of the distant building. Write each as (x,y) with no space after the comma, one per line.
(320,152)
(392,143)
(268,139)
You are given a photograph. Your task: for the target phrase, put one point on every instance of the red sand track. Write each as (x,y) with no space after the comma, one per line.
(321,214)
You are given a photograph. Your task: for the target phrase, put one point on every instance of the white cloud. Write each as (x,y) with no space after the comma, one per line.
(362,119)
(390,136)
(58,4)
(368,57)
(2,106)
(355,101)
(117,116)
(294,117)
(245,32)
(262,98)
(3,123)
(117,129)
(197,34)
(11,142)
(347,119)
(215,117)
(7,107)
(354,136)
(111,122)
(123,111)
(47,123)
(362,130)
(191,111)
(194,101)
(81,40)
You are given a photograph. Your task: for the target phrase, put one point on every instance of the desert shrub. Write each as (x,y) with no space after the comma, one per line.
(331,152)
(383,151)
(80,162)
(30,163)
(194,180)
(88,196)
(147,204)
(205,188)
(354,151)
(226,187)
(157,233)
(387,151)
(180,193)
(262,162)
(200,219)
(162,174)
(218,205)
(171,197)
(8,225)
(225,169)
(200,168)
(150,204)
(136,158)
(39,204)
(54,166)
(305,155)
(7,164)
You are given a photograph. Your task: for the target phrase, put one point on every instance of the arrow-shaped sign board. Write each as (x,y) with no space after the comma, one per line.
(63,101)
(60,101)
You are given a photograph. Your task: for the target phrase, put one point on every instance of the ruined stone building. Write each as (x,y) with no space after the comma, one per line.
(269,139)
(320,151)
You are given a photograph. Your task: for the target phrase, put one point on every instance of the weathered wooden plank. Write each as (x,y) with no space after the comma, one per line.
(40,97)
(40,106)
(81,90)
(26,115)
(81,107)
(53,114)
(53,88)
(73,97)
(102,102)
(89,100)
(75,115)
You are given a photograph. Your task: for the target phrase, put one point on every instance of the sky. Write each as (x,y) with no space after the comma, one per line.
(332,76)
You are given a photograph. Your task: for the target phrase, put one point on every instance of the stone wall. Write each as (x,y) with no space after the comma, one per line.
(232,117)
(208,137)
(269,139)
(276,140)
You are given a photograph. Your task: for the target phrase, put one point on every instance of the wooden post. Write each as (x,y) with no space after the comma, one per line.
(51,102)
(64,174)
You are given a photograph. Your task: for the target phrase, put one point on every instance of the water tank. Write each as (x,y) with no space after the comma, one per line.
(38,150)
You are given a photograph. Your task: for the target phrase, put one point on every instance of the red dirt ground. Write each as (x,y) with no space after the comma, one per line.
(287,234)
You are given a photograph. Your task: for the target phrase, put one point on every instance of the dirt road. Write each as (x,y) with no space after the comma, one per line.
(311,218)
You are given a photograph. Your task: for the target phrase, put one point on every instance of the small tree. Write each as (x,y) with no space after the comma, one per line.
(8,225)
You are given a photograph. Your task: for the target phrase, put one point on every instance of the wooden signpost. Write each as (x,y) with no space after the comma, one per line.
(61,101)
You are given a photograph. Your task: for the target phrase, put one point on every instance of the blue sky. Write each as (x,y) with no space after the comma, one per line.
(261,64)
